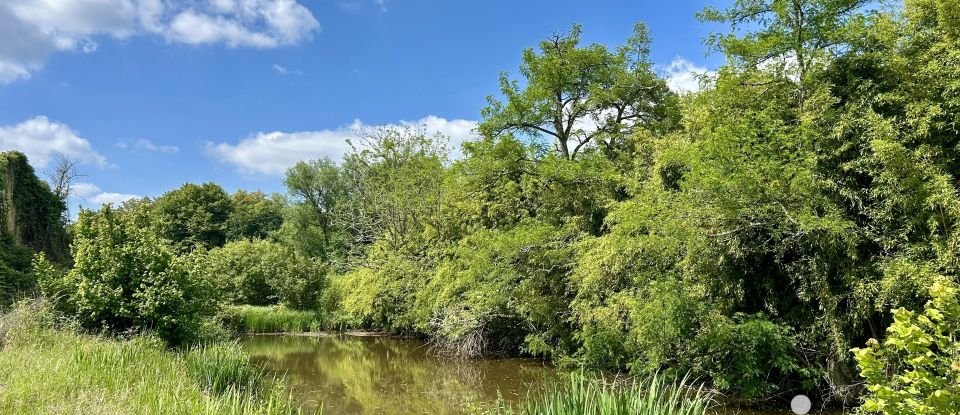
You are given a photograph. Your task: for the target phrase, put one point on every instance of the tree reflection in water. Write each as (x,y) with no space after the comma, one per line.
(383,375)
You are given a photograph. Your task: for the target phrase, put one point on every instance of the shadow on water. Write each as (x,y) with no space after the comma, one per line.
(391,376)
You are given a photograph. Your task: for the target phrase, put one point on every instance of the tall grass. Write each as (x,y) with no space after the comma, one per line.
(584,396)
(46,371)
(223,367)
(256,319)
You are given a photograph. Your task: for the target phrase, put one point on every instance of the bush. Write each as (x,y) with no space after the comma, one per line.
(916,369)
(265,273)
(501,291)
(746,354)
(125,279)
(381,293)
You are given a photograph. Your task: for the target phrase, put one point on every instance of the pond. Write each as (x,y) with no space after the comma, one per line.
(375,375)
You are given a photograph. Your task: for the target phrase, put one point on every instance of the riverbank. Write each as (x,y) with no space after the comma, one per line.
(59,371)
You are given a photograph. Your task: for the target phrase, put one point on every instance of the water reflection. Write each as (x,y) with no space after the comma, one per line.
(389,376)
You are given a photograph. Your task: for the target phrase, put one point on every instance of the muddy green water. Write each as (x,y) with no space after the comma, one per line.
(371,375)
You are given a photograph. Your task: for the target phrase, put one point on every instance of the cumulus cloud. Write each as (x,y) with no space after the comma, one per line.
(684,76)
(41,139)
(93,194)
(274,152)
(146,145)
(33,29)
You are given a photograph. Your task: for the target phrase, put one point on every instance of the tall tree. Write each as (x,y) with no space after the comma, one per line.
(787,36)
(578,96)
(254,215)
(317,185)
(193,216)
(394,182)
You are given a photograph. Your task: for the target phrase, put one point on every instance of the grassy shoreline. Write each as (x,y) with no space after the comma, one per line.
(248,319)
(60,371)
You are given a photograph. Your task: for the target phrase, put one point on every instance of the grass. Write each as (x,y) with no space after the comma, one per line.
(583,396)
(257,319)
(46,371)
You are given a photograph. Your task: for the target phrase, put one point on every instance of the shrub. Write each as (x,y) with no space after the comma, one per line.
(265,273)
(916,369)
(502,291)
(126,279)
(746,354)
(381,293)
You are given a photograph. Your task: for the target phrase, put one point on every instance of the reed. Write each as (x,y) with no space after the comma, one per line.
(581,395)
(258,319)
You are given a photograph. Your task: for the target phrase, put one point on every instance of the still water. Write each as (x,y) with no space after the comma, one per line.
(372,375)
(389,376)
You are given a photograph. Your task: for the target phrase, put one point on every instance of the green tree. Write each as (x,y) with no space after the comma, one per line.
(254,215)
(577,96)
(261,272)
(316,187)
(125,278)
(790,37)
(394,185)
(193,216)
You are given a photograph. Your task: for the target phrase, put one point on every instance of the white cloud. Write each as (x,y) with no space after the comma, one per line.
(34,29)
(93,194)
(274,152)
(359,6)
(146,145)
(284,71)
(684,76)
(41,139)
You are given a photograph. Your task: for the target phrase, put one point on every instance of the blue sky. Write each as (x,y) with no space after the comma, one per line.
(150,94)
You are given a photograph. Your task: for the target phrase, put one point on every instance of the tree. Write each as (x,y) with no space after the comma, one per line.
(193,216)
(318,186)
(62,176)
(580,96)
(125,278)
(789,37)
(264,273)
(394,183)
(254,215)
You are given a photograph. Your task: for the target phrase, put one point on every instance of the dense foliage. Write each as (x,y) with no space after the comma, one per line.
(31,220)
(751,233)
(263,273)
(194,216)
(126,279)
(916,369)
